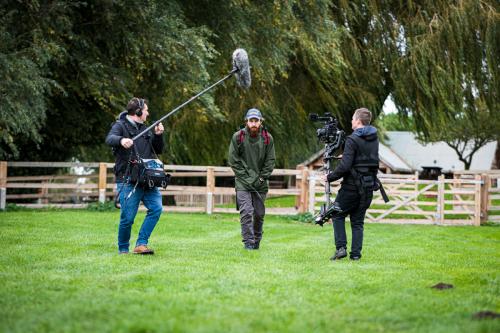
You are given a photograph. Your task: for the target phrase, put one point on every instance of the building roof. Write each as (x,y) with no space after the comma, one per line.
(314,157)
(392,160)
(403,153)
(439,154)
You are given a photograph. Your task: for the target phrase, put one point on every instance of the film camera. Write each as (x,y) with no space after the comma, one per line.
(330,132)
(334,138)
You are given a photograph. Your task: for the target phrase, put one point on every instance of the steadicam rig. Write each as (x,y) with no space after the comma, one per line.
(334,138)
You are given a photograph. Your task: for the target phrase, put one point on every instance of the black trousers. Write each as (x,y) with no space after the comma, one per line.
(354,205)
(252,212)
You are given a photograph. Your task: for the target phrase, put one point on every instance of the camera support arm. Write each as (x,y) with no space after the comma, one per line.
(329,209)
(334,138)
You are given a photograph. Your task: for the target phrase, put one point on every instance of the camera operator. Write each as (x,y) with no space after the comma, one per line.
(129,124)
(358,168)
(252,158)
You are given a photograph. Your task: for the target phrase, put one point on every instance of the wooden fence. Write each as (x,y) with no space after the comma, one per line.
(96,183)
(470,198)
(445,201)
(491,191)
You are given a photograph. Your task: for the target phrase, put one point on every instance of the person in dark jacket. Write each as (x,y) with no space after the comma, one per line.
(129,124)
(252,158)
(358,167)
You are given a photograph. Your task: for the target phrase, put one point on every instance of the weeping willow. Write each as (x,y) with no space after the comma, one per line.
(438,59)
(448,74)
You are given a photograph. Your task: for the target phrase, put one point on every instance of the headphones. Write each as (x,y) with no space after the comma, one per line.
(140,106)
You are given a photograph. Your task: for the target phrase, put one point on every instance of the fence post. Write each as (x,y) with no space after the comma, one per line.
(298,186)
(485,197)
(44,192)
(303,191)
(210,189)
(416,187)
(440,200)
(3,185)
(312,192)
(477,200)
(102,182)
(459,184)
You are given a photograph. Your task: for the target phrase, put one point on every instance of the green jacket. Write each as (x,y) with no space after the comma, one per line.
(250,160)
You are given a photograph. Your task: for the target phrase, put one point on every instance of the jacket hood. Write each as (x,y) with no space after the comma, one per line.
(122,115)
(367,132)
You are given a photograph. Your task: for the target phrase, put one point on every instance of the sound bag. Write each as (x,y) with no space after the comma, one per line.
(149,173)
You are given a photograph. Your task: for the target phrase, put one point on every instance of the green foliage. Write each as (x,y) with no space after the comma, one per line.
(98,55)
(304,217)
(395,122)
(64,274)
(450,65)
(102,207)
(22,87)
(448,73)
(68,68)
(439,60)
(284,42)
(11,207)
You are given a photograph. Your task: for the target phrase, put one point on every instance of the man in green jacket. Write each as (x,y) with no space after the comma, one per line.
(252,158)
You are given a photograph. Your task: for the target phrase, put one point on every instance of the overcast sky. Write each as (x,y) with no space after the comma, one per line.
(389,106)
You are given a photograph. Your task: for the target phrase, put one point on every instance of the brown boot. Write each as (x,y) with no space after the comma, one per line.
(143,249)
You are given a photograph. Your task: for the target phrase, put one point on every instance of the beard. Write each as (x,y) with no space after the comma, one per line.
(254,131)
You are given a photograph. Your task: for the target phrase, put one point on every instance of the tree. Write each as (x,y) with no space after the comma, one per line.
(285,42)
(93,57)
(22,88)
(439,59)
(448,75)
(467,135)
(395,122)
(78,63)
(105,52)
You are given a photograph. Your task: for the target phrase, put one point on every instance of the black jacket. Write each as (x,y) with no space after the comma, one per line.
(354,155)
(144,144)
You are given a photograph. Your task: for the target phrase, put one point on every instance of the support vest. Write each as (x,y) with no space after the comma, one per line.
(365,167)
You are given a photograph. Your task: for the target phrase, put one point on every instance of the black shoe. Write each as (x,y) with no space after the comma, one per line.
(249,247)
(339,254)
(256,245)
(355,257)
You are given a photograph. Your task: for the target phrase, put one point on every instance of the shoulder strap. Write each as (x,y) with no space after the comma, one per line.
(241,136)
(124,128)
(127,135)
(265,135)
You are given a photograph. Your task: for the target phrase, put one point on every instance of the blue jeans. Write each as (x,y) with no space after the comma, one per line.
(129,206)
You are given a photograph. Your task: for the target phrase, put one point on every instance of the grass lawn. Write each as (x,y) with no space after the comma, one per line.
(60,272)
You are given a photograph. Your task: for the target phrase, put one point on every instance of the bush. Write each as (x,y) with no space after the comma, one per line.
(102,207)
(303,217)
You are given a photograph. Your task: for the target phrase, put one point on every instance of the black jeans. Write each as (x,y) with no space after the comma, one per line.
(355,206)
